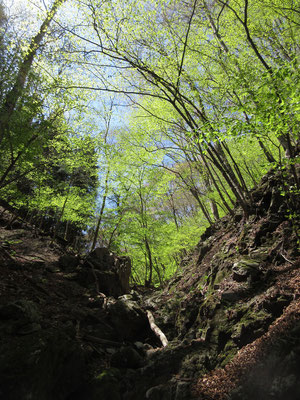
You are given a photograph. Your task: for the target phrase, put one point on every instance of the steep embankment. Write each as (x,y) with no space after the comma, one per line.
(235,307)
(231,316)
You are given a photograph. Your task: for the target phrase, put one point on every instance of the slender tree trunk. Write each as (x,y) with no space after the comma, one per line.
(113,232)
(66,230)
(217,186)
(61,213)
(230,179)
(31,216)
(266,152)
(41,222)
(238,171)
(101,210)
(149,254)
(156,268)
(107,119)
(225,191)
(173,211)
(225,166)
(202,206)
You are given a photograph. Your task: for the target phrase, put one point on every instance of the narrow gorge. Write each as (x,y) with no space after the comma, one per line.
(72,328)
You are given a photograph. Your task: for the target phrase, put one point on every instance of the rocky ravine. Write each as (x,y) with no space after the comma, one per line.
(70,329)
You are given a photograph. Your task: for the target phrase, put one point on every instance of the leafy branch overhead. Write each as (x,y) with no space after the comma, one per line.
(134,125)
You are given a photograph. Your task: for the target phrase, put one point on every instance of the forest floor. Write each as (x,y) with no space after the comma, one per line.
(231,315)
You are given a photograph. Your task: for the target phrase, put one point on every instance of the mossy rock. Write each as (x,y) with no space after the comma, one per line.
(228,353)
(186,317)
(195,364)
(245,269)
(260,254)
(252,325)
(220,276)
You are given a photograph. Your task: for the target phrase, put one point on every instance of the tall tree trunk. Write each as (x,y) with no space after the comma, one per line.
(15,92)
(107,119)
(285,138)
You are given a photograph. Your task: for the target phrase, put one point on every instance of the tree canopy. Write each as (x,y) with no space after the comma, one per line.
(136,124)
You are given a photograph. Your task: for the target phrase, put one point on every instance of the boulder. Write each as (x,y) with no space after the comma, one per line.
(245,269)
(129,320)
(101,258)
(123,266)
(106,272)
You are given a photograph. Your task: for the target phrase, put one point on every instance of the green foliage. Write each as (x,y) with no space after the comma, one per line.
(214,95)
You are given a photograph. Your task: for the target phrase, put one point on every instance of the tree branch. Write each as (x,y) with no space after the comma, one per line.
(184,48)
